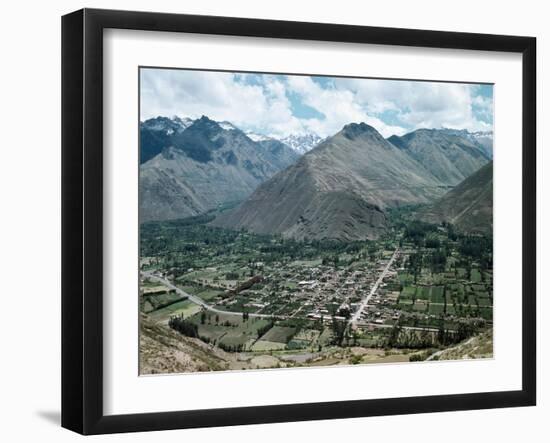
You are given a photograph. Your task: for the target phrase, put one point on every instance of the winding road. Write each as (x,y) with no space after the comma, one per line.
(199,301)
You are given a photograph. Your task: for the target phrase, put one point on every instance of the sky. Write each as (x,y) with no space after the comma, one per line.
(281,105)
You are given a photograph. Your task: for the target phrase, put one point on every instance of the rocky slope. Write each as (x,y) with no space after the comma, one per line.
(190,169)
(469,206)
(446,154)
(338,190)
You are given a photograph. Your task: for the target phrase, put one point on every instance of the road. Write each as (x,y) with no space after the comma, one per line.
(199,301)
(365,301)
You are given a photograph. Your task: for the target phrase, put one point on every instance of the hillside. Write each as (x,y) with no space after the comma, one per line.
(478,346)
(338,190)
(448,155)
(469,206)
(163,350)
(191,167)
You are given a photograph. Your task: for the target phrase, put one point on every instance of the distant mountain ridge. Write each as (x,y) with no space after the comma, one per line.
(483,139)
(448,155)
(189,167)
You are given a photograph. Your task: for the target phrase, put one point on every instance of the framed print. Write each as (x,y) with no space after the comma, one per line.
(269,221)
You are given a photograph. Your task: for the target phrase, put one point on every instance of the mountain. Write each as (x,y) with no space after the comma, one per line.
(447,155)
(302,143)
(469,206)
(279,154)
(338,190)
(157,133)
(186,171)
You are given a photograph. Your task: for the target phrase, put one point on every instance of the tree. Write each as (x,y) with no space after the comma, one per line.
(338,331)
(393,339)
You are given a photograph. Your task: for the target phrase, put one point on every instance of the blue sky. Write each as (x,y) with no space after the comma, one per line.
(280,105)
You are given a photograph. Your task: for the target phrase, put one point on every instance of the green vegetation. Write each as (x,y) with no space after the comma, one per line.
(268,295)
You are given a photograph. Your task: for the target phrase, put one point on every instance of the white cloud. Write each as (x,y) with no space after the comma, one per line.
(421,104)
(339,106)
(265,103)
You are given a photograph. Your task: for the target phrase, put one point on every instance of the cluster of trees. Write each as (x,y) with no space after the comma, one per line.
(400,337)
(414,264)
(478,248)
(184,326)
(416,232)
(231,348)
(465,330)
(341,334)
(435,260)
(182,244)
(339,328)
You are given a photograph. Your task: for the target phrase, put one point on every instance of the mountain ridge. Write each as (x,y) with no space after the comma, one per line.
(354,176)
(448,156)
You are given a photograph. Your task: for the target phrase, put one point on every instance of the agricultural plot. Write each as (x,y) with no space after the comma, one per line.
(444,294)
(279,334)
(157,300)
(264,345)
(303,339)
(228,330)
(184,307)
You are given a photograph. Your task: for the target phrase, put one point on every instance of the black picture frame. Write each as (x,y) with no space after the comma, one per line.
(82,218)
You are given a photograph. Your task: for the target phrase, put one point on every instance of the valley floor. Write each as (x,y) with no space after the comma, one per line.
(213,299)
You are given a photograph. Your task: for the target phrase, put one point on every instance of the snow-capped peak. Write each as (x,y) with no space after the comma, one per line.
(167,125)
(254,136)
(184,122)
(302,143)
(225,125)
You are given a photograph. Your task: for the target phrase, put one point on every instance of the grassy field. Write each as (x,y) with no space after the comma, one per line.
(158,300)
(279,334)
(185,307)
(264,345)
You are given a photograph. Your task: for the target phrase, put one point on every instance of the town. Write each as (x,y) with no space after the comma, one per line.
(404,297)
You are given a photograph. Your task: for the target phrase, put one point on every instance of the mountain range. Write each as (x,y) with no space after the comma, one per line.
(339,188)
(190,167)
